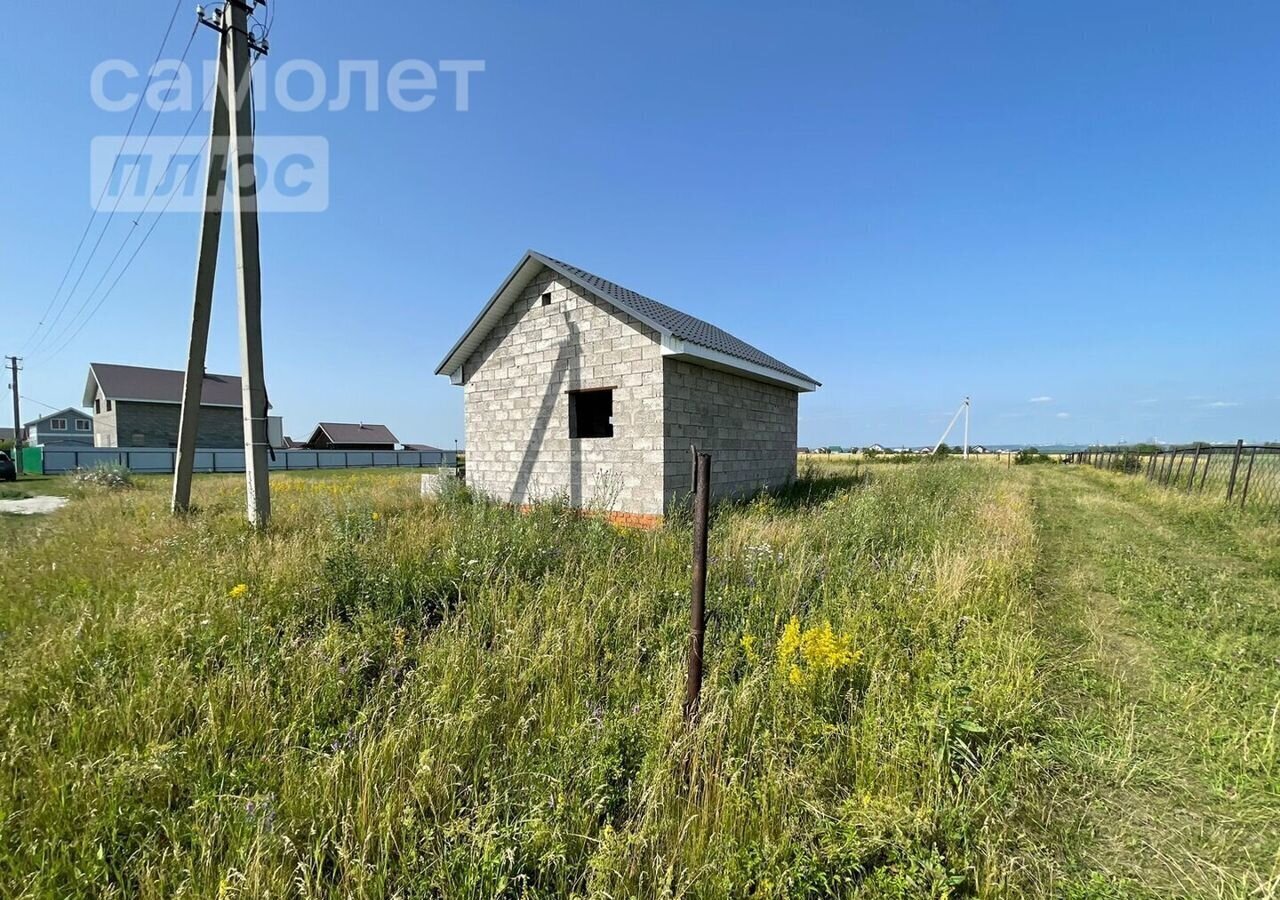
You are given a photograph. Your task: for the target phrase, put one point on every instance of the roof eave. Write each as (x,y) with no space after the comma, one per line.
(450,364)
(679,349)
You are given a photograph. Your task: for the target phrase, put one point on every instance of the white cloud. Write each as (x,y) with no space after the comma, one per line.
(1221,404)
(1064,415)
(1040,400)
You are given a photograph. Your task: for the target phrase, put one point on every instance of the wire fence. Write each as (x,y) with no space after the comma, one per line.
(1247,475)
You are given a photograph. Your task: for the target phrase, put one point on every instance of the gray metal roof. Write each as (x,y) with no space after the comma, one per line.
(699,339)
(158,385)
(681,325)
(69,412)
(357,433)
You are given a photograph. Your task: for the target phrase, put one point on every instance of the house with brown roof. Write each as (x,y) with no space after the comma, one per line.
(138,406)
(351,436)
(576,387)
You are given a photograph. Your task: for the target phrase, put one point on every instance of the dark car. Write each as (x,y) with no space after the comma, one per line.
(7,470)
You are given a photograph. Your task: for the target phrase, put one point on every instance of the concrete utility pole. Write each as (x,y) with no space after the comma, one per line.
(17,416)
(231,137)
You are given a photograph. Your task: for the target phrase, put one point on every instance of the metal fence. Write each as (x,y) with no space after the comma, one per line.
(1239,473)
(143,460)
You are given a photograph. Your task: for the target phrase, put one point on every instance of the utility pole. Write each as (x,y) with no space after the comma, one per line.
(17,416)
(964,408)
(231,138)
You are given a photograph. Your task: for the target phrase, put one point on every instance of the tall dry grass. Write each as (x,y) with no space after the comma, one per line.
(386,696)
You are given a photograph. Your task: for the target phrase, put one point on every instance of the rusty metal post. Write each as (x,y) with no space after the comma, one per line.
(1248,476)
(1235,467)
(1178,474)
(1168,469)
(1204,473)
(1195,461)
(698,597)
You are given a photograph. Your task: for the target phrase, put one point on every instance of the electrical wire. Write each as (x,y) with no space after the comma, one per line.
(41,403)
(129,234)
(164,41)
(44,341)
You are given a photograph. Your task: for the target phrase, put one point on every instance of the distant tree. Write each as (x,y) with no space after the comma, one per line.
(1028,456)
(871,453)
(943,449)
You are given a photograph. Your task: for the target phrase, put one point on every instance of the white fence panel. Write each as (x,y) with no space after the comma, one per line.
(160,460)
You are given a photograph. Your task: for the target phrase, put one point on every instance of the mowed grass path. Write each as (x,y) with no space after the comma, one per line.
(1160,619)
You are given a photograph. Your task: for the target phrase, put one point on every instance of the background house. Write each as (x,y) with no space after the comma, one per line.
(351,436)
(135,406)
(576,386)
(68,426)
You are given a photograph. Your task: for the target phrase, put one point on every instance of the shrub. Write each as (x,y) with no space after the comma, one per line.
(1028,456)
(108,475)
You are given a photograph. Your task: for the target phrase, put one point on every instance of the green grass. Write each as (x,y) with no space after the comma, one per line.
(454,699)
(35,486)
(391,697)
(1165,684)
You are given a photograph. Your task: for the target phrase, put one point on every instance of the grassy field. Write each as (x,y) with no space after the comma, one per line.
(923,681)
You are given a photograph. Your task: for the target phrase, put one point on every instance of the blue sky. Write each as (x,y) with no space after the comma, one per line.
(1069,212)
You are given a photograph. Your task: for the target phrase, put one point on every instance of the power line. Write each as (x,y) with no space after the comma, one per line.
(42,403)
(70,323)
(128,263)
(164,41)
(107,225)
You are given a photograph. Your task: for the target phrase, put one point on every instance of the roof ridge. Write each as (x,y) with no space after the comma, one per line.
(681,324)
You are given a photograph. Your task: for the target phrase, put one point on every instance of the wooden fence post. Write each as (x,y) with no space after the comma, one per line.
(1248,476)
(1195,461)
(1235,467)
(698,594)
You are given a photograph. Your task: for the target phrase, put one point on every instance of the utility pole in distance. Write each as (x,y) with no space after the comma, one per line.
(17,416)
(231,139)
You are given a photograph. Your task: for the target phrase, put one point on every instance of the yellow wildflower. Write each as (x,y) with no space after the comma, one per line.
(819,649)
(238,591)
(789,643)
(749,650)
(377,516)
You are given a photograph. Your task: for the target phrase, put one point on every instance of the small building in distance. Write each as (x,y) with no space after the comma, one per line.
(577,387)
(351,436)
(138,406)
(877,448)
(425,448)
(67,427)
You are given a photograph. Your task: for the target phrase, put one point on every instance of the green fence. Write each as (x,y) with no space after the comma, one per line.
(33,460)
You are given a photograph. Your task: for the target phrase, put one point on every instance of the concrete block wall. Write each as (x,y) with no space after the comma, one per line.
(516,388)
(748,426)
(133,424)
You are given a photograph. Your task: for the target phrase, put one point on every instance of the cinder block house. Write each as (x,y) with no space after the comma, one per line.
(575,386)
(136,406)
